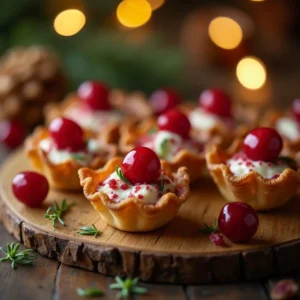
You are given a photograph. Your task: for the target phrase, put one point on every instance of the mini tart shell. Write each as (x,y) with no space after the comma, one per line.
(62,176)
(261,193)
(109,134)
(220,134)
(132,214)
(195,162)
(291,147)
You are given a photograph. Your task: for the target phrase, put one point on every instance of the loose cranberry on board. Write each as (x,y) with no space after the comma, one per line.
(12,133)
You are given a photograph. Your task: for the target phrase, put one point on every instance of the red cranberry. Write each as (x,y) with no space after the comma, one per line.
(238,221)
(141,165)
(175,121)
(216,102)
(67,134)
(296,109)
(12,133)
(95,95)
(217,239)
(30,188)
(263,144)
(163,100)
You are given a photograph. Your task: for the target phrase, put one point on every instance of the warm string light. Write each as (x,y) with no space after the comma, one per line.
(225,32)
(156,4)
(251,72)
(69,22)
(134,13)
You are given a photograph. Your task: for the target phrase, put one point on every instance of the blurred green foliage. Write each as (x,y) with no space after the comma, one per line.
(94,53)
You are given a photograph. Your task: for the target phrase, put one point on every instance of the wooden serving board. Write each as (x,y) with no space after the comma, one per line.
(176,253)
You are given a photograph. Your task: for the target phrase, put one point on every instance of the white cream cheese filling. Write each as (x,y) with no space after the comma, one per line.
(93,120)
(117,190)
(288,128)
(59,156)
(240,165)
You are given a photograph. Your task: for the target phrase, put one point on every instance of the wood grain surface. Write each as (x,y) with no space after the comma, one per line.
(177,253)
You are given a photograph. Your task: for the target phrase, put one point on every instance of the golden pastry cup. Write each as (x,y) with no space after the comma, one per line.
(109,134)
(220,134)
(261,193)
(131,131)
(62,176)
(290,147)
(132,214)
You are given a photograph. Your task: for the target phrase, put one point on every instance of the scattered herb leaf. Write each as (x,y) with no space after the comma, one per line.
(121,175)
(161,185)
(87,230)
(127,287)
(163,148)
(55,212)
(210,228)
(17,257)
(90,292)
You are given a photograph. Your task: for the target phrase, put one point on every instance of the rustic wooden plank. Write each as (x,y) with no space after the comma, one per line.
(27,282)
(241,291)
(69,279)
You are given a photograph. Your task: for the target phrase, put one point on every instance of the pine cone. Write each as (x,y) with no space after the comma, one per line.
(29,78)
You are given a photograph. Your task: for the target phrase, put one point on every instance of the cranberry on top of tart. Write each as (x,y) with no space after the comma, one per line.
(252,170)
(127,192)
(170,140)
(62,149)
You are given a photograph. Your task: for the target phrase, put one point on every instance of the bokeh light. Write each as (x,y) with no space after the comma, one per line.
(257,0)
(69,22)
(225,32)
(251,72)
(134,13)
(156,4)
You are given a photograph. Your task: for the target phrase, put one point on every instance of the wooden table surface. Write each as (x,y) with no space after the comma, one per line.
(49,279)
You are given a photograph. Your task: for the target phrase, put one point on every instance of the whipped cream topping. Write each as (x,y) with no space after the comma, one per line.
(167,144)
(117,190)
(59,156)
(93,120)
(240,165)
(202,120)
(288,127)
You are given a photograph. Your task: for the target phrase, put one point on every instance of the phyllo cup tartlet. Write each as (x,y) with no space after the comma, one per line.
(60,166)
(264,185)
(136,207)
(174,149)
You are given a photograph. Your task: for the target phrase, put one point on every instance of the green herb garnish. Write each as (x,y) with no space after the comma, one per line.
(210,228)
(289,161)
(152,130)
(79,157)
(55,213)
(17,257)
(163,147)
(91,292)
(121,175)
(127,287)
(161,185)
(86,230)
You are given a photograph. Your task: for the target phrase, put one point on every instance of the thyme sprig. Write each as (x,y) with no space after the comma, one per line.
(80,157)
(55,212)
(90,292)
(15,256)
(122,176)
(210,228)
(127,287)
(87,230)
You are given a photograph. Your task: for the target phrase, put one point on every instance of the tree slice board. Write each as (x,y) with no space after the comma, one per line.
(176,253)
